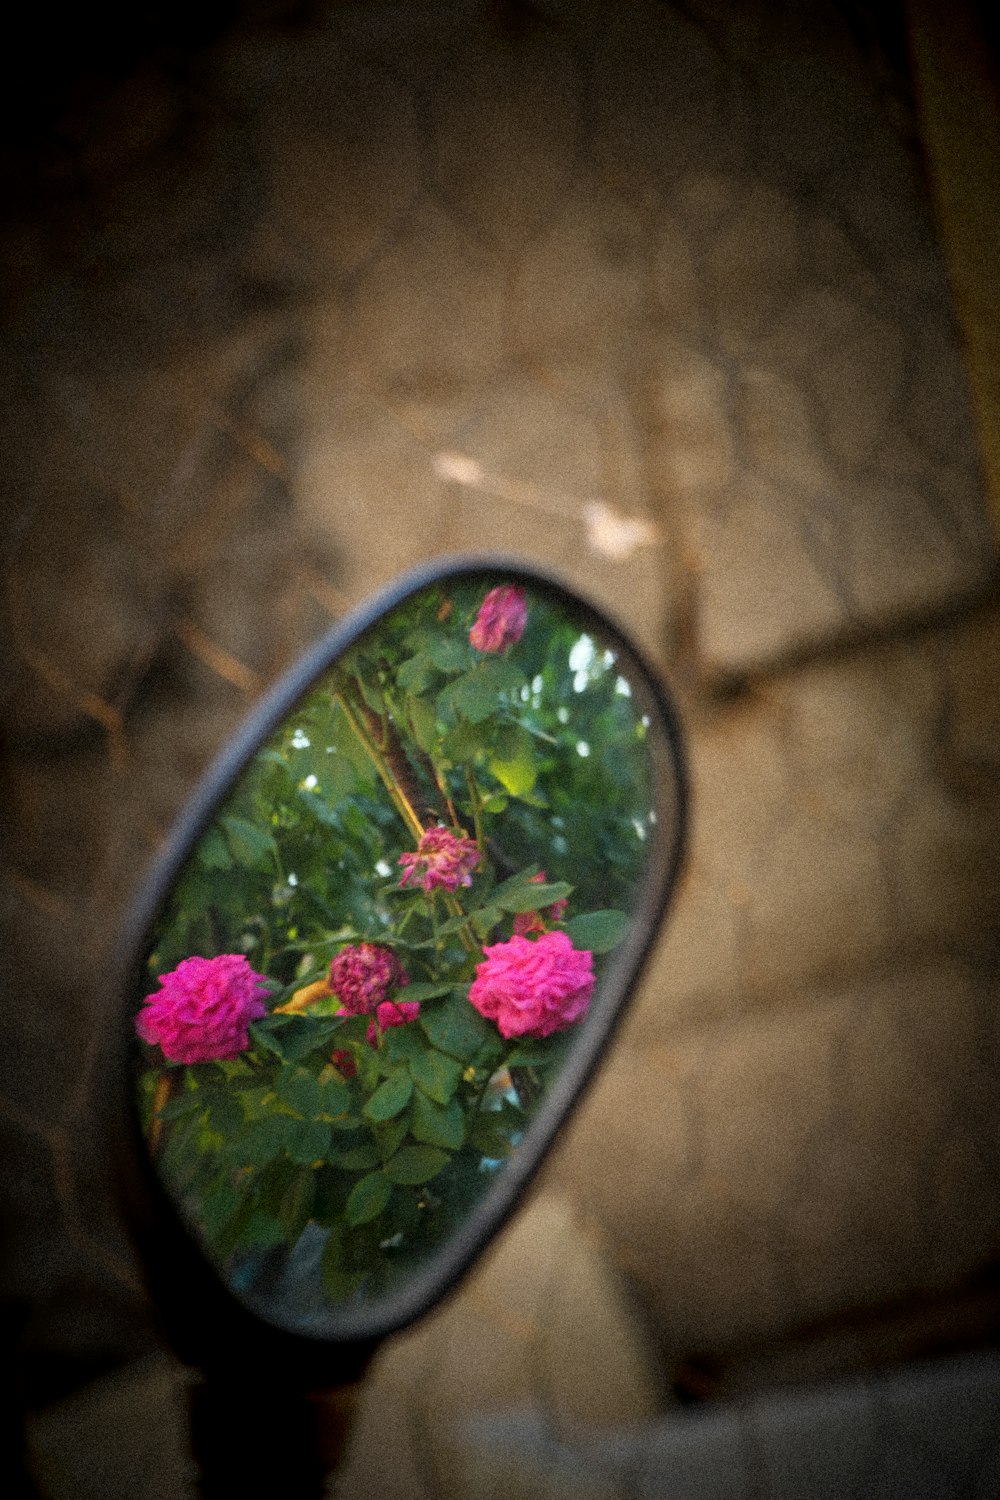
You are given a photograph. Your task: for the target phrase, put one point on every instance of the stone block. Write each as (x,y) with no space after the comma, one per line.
(428,309)
(577,284)
(343,151)
(763,1175)
(504,132)
(753,265)
(666,103)
(840,818)
(367,486)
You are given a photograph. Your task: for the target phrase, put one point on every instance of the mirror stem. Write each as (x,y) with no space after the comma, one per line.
(259,1443)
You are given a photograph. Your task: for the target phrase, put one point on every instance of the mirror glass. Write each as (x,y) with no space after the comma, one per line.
(388,936)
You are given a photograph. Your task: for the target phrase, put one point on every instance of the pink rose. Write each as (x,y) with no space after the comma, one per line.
(203,1009)
(441,858)
(362,975)
(392,1013)
(531,921)
(502,617)
(533,988)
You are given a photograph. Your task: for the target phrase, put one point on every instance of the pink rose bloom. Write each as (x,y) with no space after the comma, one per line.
(392,1013)
(531,921)
(362,975)
(502,617)
(533,988)
(442,858)
(203,1008)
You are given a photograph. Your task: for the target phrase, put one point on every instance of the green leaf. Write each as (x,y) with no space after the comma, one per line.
(213,851)
(261,1141)
(489,1137)
(297,1204)
(484,921)
(532,897)
(422,992)
(518,775)
(266,1038)
(338,1282)
(336,1096)
(600,931)
(457,1028)
(308,1142)
(225,1113)
(390,1097)
(183,1104)
(367,1199)
(389,1137)
(302,1091)
(438,1124)
(496,802)
(358,1158)
(539,1052)
(303,1035)
(261,1230)
(447,653)
(250,844)
(435,1074)
(501,675)
(472,696)
(424,722)
(415,673)
(340,779)
(515,883)
(415,1164)
(465,741)
(402,1042)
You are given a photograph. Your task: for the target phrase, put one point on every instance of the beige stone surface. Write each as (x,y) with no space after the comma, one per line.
(767,1173)
(505,129)
(648,294)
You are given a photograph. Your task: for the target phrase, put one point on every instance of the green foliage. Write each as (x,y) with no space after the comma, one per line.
(385,1137)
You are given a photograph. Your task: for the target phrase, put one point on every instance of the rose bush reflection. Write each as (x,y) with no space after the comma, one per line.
(381,947)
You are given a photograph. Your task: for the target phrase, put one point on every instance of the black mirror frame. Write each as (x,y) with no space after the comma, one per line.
(203,1319)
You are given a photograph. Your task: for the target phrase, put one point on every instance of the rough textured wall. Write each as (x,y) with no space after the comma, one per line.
(651,294)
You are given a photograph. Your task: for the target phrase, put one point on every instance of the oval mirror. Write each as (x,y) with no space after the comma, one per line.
(389,940)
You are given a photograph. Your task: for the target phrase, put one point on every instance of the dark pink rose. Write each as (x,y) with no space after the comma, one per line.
(502,617)
(392,1013)
(362,975)
(442,858)
(531,921)
(203,1008)
(343,1059)
(533,988)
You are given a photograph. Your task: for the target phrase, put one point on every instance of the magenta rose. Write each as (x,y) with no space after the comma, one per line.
(362,975)
(203,1008)
(533,988)
(392,1013)
(441,858)
(502,617)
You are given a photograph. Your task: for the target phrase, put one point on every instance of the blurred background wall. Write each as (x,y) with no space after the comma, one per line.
(681,300)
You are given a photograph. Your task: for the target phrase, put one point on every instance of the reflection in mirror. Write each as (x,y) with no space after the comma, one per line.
(381,949)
